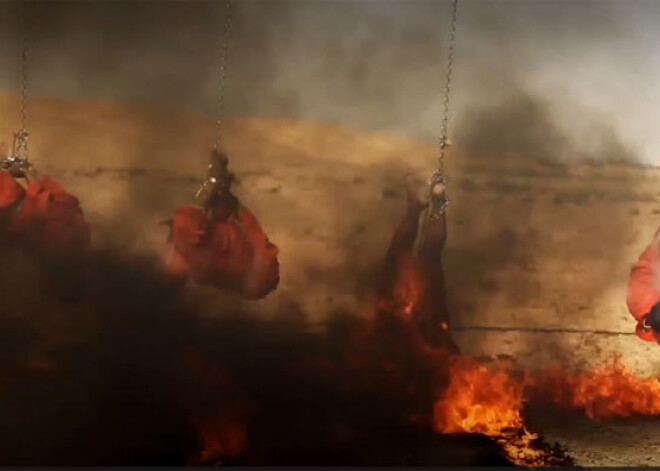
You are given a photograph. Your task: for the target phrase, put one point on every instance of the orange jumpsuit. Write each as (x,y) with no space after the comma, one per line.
(44,217)
(230,251)
(644,290)
(11,194)
(413,285)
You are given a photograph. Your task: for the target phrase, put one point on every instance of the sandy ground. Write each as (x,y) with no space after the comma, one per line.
(531,243)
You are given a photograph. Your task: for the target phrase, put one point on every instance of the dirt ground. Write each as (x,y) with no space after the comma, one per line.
(532,244)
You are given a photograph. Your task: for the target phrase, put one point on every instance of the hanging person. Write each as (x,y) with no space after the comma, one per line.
(643,297)
(222,243)
(41,216)
(412,284)
(11,191)
(50,219)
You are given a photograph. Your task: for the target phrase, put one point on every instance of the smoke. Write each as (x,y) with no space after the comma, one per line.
(106,361)
(548,83)
(119,367)
(364,64)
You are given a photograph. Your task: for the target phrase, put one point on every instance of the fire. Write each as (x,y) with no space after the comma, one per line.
(606,392)
(488,399)
(524,448)
(519,447)
(408,288)
(479,399)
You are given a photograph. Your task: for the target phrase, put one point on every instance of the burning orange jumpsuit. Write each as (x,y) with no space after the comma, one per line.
(223,244)
(44,216)
(415,283)
(644,288)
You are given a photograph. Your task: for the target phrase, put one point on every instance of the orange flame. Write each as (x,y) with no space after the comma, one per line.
(610,391)
(488,399)
(479,399)
(408,288)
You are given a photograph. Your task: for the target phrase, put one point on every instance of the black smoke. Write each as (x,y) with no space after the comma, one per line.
(105,361)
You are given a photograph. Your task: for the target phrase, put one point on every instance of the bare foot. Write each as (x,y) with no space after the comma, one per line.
(438,191)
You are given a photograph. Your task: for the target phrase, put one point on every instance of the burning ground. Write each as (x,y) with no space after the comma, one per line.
(105,361)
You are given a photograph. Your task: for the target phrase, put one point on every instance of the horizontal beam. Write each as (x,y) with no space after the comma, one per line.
(538,330)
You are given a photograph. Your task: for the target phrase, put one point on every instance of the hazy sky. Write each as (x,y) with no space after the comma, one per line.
(571,78)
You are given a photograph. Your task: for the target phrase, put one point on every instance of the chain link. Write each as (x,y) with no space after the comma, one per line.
(21,136)
(223,72)
(437,206)
(444,136)
(438,202)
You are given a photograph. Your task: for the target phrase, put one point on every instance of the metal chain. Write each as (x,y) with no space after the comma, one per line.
(444,136)
(223,72)
(434,210)
(438,204)
(21,136)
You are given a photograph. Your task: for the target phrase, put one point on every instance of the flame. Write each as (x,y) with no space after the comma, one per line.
(479,399)
(519,448)
(524,448)
(407,294)
(606,392)
(488,399)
